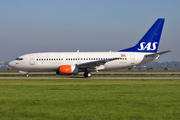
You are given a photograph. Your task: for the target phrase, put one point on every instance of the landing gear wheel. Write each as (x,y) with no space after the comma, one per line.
(87,74)
(27,75)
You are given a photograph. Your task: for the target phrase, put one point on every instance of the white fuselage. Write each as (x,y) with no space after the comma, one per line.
(51,61)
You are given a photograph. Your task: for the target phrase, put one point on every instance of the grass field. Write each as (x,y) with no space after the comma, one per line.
(39,99)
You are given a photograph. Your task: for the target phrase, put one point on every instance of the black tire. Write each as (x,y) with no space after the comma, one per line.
(87,74)
(27,75)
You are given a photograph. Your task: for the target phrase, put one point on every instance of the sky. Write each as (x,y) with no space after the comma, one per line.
(30,26)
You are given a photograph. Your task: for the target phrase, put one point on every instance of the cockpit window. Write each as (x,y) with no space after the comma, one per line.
(19,59)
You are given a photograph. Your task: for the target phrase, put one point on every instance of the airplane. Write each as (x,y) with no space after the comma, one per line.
(71,63)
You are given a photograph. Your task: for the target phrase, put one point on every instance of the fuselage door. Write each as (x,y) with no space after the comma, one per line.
(132,59)
(32,60)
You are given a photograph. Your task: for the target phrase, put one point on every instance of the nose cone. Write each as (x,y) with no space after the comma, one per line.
(12,64)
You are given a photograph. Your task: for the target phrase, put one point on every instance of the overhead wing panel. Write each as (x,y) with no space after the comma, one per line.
(94,63)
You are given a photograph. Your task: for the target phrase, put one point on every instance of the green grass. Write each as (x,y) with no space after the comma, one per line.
(25,99)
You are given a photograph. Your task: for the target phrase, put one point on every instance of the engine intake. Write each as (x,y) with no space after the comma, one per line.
(68,70)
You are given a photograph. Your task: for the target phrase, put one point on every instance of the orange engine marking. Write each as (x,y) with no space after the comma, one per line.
(65,70)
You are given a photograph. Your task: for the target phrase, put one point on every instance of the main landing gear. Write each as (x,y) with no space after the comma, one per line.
(87,74)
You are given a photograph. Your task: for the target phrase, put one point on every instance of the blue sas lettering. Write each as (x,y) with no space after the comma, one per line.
(148,46)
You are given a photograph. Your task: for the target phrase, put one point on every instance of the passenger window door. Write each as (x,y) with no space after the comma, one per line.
(32,60)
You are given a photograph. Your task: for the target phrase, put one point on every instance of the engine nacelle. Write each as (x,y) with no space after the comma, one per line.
(67,70)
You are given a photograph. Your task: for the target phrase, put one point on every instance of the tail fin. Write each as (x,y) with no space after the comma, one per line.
(150,41)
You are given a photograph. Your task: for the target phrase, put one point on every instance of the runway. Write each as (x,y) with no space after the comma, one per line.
(90,78)
(97,73)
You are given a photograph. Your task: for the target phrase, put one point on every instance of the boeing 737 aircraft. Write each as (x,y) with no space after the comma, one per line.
(71,63)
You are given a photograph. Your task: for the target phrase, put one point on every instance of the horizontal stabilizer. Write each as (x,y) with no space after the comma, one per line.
(159,53)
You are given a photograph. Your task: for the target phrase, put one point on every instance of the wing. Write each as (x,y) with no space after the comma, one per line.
(97,65)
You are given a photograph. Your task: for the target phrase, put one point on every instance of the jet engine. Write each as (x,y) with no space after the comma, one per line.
(67,70)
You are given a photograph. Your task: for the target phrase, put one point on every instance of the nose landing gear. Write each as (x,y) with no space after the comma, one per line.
(27,75)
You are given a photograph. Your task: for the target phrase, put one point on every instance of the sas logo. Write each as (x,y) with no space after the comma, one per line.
(148,46)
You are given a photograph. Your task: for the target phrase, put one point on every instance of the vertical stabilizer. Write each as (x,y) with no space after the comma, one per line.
(150,41)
